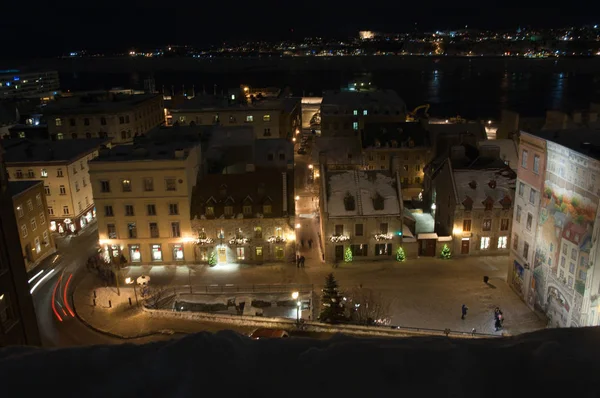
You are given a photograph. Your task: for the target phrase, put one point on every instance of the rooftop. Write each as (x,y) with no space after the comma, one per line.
(584,141)
(212,103)
(179,133)
(350,99)
(146,150)
(337,150)
(110,103)
(508,150)
(394,135)
(28,151)
(362,193)
(18,187)
(479,186)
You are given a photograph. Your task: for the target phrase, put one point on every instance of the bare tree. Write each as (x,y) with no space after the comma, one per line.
(154,296)
(368,307)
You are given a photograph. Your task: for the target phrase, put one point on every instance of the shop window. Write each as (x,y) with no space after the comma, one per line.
(240,253)
(383,249)
(258,232)
(279,253)
(360,250)
(156,252)
(178,253)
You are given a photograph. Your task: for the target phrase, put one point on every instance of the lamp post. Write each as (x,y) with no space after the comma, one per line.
(130,281)
(298,304)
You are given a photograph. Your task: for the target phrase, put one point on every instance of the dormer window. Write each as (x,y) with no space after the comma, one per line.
(209,211)
(473,184)
(506,202)
(488,203)
(378,202)
(492,184)
(468,204)
(228,210)
(349,202)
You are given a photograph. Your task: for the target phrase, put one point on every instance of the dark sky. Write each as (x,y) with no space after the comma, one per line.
(71,25)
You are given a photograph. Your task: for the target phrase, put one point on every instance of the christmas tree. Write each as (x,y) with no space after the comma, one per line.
(348,255)
(332,302)
(446,254)
(400,255)
(212,260)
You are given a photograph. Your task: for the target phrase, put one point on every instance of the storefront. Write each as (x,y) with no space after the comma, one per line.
(68,226)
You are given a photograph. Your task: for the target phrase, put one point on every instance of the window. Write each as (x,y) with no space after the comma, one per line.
(502,241)
(84,182)
(518,216)
(178,253)
(258,232)
(360,250)
(23,230)
(58,121)
(42,218)
(19,174)
(339,229)
(466,225)
(182,119)
(525,250)
(76,186)
(65,210)
(173,209)
(156,252)
(516,242)
(126,185)
(44,173)
(38,199)
(355,112)
(60,136)
(63,190)
(129,210)
(383,228)
(504,224)
(36,242)
(279,253)
(209,211)
(354,125)
(121,120)
(220,234)
(33,224)
(383,249)
(365,112)
(564,250)
(524,156)
(29,205)
(228,210)
(148,184)
(536,164)
(87,201)
(266,118)
(486,224)
(103,121)
(489,204)
(20,211)
(50,210)
(46,239)
(573,254)
(521,189)
(131,230)
(108,211)
(104,186)
(240,253)
(249,119)
(529,221)
(47,190)
(267,133)
(232,119)
(30,174)
(532,193)
(358,229)
(582,275)
(572,268)
(151,210)
(154,230)
(72,122)
(484,244)
(418,167)
(175,230)
(170,184)
(267,209)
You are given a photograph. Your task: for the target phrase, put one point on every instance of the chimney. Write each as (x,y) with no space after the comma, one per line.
(284,193)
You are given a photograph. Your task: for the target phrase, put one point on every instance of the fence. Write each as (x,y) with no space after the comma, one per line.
(222,289)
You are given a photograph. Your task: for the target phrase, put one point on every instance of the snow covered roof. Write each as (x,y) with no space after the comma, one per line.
(508,150)
(478,186)
(359,193)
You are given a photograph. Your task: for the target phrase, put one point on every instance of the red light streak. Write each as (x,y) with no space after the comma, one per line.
(66,302)
(54,299)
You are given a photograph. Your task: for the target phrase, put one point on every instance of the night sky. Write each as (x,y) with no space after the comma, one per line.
(70,26)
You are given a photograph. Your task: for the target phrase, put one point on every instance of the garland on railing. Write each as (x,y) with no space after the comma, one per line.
(384,237)
(339,238)
(238,241)
(204,241)
(276,239)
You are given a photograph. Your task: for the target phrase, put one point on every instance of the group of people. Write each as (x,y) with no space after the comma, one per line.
(300,261)
(310,242)
(498,316)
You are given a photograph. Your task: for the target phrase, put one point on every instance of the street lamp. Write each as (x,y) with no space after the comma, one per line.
(298,304)
(130,281)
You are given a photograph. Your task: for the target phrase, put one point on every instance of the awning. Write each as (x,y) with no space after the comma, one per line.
(427,236)
(445,239)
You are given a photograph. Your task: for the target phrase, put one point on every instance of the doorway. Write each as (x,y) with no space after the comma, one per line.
(427,247)
(222,253)
(464,248)
(339,252)
(259,253)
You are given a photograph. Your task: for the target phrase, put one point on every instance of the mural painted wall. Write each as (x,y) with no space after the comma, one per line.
(567,213)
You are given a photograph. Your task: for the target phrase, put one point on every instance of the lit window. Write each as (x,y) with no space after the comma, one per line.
(502,241)
(177,252)
(354,125)
(126,184)
(249,118)
(266,118)
(156,253)
(485,243)
(365,112)
(240,253)
(60,136)
(24,231)
(355,112)
(44,173)
(58,121)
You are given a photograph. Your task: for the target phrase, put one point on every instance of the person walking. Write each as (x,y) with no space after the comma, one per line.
(297,261)
(310,243)
(302,259)
(464,311)
(302,243)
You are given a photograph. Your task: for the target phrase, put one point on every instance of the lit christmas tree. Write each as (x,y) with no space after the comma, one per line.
(212,260)
(332,302)
(446,254)
(400,255)
(348,255)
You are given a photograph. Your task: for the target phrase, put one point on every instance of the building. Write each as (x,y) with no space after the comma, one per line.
(269,118)
(142,193)
(18,323)
(33,221)
(337,152)
(553,267)
(21,84)
(345,113)
(403,148)
(508,150)
(472,200)
(360,210)
(119,117)
(63,168)
(245,217)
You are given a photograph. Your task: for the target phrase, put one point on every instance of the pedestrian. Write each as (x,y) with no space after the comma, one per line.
(498,324)
(297,261)
(302,243)
(310,243)
(302,259)
(464,311)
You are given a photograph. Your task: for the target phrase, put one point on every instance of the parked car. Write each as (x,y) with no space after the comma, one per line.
(302,151)
(265,333)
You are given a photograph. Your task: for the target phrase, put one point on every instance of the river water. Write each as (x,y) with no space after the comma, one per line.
(470,87)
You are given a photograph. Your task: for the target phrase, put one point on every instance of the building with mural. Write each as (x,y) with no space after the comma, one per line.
(555,228)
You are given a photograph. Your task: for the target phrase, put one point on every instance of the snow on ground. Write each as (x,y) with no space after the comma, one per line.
(559,362)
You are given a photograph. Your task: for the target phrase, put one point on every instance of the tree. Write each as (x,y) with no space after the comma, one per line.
(348,255)
(212,260)
(154,296)
(400,255)
(332,302)
(446,253)
(369,307)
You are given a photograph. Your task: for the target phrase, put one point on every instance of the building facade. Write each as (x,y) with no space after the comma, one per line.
(245,218)
(142,196)
(33,221)
(119,117)
(17,84)
(18,323)
(62,166)
(361,211)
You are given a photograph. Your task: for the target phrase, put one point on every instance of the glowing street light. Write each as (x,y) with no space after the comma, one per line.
(310,166)
(295,296)
(298,226)
(297,197)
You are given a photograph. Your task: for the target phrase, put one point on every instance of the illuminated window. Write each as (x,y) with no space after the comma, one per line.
(44,173)
(126,185)
(355,112)
(354,125)
(58,121)
(240,253)
(156,252)
(60,136)
(209,211)
(258,232)
(365,112)
(177,252)
(485,243)
(279,232)
(134,253)
(266,118)
(502,241)
(249,119)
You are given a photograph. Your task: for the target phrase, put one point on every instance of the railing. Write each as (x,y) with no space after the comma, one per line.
(218,289)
